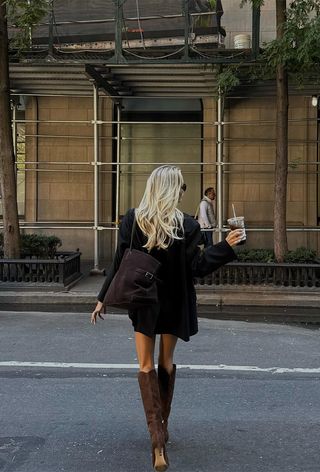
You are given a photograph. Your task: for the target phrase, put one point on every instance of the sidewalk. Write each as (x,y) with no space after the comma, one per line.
(219,302)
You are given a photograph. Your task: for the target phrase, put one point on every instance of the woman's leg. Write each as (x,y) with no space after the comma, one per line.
(166,376)
(208,238)
(151,400)
(168,344)
(145,351)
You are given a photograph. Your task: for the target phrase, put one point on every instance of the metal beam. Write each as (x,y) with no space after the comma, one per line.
(35,87)
(101,82)
(50,33)
(34,68)
(22,75)
(185,9)
(222,57)
(118,56)
(255,31)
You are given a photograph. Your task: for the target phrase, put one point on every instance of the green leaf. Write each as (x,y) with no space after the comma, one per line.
(36,245)
(228,79)
(24,15)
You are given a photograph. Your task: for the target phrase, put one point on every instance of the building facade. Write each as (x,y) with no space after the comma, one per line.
(84,154)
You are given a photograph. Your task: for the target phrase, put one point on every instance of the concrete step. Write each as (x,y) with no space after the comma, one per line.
(241,303)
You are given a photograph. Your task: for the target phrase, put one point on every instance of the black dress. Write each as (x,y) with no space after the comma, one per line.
(176,312)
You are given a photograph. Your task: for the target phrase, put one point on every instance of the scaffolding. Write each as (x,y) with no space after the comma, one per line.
(139,31)
(114,73)
(220,169)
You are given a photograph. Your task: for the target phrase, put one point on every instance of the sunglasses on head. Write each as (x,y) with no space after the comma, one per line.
(183,187)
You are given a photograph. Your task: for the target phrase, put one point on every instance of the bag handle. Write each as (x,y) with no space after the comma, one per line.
(133,229)
(197,212)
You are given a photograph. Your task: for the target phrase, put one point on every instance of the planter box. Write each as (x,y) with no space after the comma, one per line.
(58,272)
(266,274)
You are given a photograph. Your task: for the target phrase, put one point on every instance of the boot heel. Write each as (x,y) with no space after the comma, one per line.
(160,463)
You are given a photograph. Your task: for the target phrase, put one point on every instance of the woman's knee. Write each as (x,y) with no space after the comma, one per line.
(146,367)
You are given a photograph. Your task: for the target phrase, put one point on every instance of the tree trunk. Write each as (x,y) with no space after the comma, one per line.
(11,231)
(281,164)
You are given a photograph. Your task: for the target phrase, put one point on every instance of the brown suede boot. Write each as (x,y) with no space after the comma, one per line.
(150,395)
(166,387)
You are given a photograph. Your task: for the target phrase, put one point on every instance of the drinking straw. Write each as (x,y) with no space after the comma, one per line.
(234,211)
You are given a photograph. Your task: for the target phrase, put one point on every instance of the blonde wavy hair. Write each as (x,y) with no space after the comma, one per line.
(157,215)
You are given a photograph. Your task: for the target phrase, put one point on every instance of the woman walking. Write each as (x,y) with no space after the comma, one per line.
(173,238)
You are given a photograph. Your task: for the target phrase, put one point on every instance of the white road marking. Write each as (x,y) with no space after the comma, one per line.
(219,367)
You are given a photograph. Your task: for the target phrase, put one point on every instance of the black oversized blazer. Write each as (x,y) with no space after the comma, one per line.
(176,312)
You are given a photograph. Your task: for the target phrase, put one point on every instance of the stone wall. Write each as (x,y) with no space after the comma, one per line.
(249,181)
(61,192)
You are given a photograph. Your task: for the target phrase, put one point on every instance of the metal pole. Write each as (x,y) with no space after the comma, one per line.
(255,31)
(317,160)
(130,18)
(96,163)
(118,170)
(50,45)
(34,225)
(185,9)
(220,164)
(30,30)
(14,128)
(118,56)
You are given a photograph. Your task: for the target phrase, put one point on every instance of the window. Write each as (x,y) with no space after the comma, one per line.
(160,143)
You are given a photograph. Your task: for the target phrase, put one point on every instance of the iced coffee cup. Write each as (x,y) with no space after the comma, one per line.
(237,222)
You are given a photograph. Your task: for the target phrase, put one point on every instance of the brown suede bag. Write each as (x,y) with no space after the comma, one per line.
(135,283)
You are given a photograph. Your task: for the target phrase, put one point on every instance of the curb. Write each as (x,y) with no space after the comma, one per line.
(253,304)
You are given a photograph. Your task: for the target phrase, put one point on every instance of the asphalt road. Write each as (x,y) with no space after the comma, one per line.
(247,397)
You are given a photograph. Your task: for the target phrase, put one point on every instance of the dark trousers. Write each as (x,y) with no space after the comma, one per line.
(207,238)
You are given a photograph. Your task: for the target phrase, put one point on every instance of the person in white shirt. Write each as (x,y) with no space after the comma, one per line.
(206,216)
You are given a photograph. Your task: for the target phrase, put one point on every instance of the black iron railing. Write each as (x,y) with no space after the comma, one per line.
(62,270)
(271,274)
(121,21)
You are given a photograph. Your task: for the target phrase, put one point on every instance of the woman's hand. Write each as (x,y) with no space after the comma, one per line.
(97,312)
(234,237)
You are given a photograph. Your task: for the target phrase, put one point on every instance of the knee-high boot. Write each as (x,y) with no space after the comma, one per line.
(166,387)
(150,395)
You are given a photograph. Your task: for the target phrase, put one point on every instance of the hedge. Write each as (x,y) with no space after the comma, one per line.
(36,245)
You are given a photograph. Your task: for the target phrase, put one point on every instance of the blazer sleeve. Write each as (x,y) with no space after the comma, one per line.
(123,243)
(203,262)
